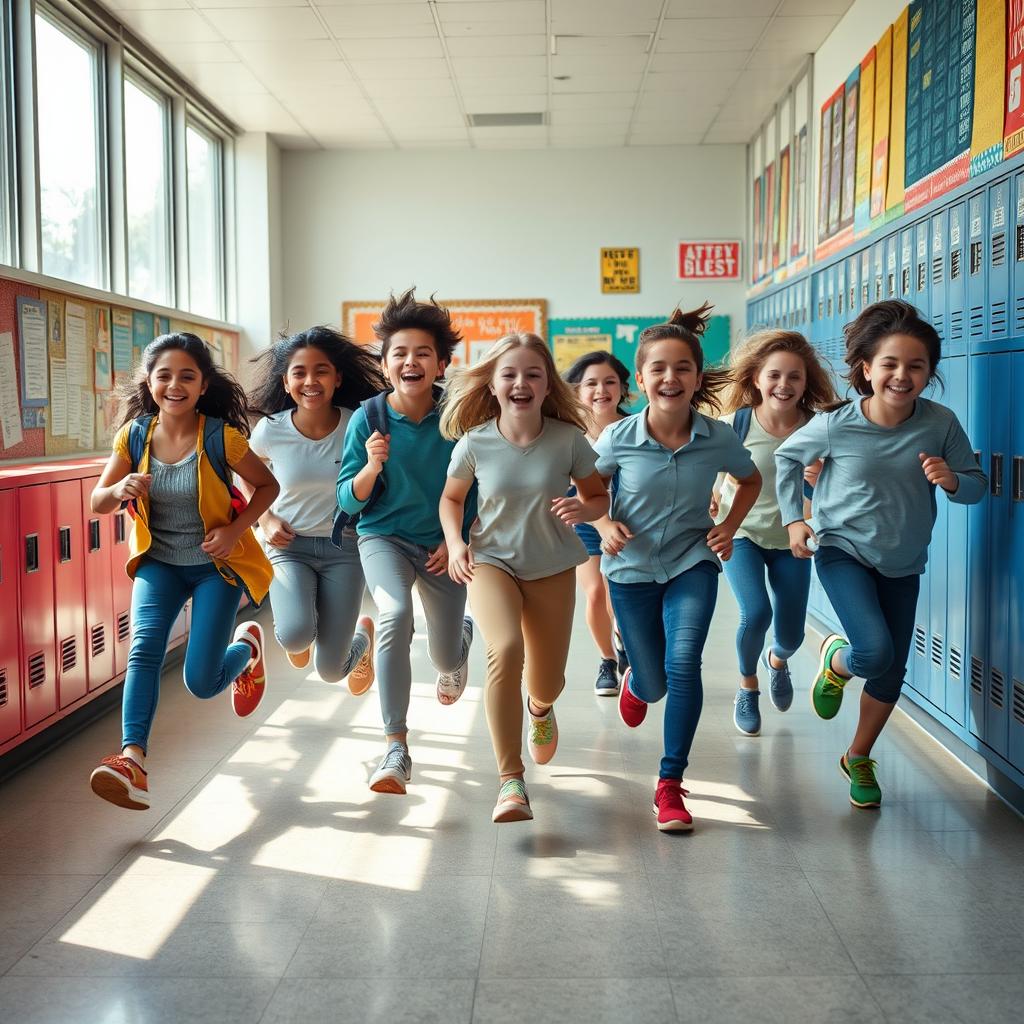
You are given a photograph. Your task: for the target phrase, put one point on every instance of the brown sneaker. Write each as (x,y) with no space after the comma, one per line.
(299,660)
(122,781)
(360,679)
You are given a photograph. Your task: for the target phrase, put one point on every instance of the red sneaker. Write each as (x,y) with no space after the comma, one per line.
(669,807)
(632,710)
(122,781)
(248,689)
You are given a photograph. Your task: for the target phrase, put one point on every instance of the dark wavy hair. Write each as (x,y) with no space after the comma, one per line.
(577,371)
(405,313)
(689,327)
(359,367)
(224,397)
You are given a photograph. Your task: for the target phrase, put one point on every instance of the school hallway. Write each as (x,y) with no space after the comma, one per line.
(267,883)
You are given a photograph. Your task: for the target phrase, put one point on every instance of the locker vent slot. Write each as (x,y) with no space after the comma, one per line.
(954,264)
(36,670)
(1017,706)
(956,662)
(956,325)
(977,676)
(996,688)
(904,280)
(922,276)
(921,641)
(998,319)
(938,270)
(98,639)
(937,650)
(939,322)
(3,687)
(123,627)
(998,249)
(68,654)
(975,258)
(977,321)
(1019,314)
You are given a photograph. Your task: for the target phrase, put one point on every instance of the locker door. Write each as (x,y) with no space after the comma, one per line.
(976,236)
(852,287)
(1017,270)
(956,294)
(955,570)
(939,226)
(865,278)
(817,326)
(905,284)
(840,317)
(998,269)
(38,665)
(891,265)
(1015,567)
(878,271)
(920,269)
(69,588)
(121,588)
(10,663)
(791,304)
(99,593)
(977,548)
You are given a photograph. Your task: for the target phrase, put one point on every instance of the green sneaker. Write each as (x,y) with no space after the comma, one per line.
(864,789)
(827,691)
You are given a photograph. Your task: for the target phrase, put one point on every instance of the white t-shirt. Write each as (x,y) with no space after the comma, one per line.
(307,471)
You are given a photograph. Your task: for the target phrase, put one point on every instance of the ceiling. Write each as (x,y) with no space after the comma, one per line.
(359,74)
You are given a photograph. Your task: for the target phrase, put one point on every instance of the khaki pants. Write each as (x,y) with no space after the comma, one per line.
(522,620)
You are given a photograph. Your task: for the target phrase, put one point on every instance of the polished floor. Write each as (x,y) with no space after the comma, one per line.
(268,884)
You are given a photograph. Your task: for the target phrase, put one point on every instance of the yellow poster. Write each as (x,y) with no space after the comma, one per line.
(569,347)
(865,121)
(989,71)
(880,128)
(898,112)
(620,271)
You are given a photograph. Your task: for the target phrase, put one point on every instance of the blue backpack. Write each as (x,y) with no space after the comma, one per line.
(376,411)
(741,424)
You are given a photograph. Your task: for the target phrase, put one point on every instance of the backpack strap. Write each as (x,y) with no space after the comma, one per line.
(213,445)
(375,409)
(137,434)
(741,422)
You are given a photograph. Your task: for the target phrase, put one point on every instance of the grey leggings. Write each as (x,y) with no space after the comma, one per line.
(316,595)
(392,566)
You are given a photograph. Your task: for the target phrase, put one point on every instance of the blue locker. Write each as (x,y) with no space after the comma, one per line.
(976,236)
(865,277)
(1015,743)
(905,282)
(956,291)
(877,271)
(818,326)
(939,226)
(920,269)
(979,420)
(892,244)
(998,269)
(830,307)
(840,317)
(852,287)
(1017,271)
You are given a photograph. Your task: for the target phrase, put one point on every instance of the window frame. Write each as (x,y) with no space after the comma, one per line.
(195,121)
(8,150)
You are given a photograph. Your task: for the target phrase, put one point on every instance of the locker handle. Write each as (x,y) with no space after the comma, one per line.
(1018,478)
(64,543)
(32,552)
(94,535)
(119,528)
(977,456)
(996,475)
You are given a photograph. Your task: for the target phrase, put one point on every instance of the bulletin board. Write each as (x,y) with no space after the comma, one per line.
(480,321)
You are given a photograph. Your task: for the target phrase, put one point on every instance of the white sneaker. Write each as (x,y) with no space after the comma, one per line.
(451,685)
(394,770)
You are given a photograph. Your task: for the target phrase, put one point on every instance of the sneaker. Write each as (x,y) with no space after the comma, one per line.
(864,788)
(827,691)
(513,803)
(394,770)
(300,660)
(451,685)
(780,683)
(543,735)
(122,781)
(621,657)
(360,679)
(248,689)
(669,807)
(746,715)
(632,710)
(607,684)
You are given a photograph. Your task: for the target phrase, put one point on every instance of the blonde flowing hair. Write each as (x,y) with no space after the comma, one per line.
(468,401)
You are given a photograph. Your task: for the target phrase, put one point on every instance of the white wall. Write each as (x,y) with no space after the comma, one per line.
(504,224)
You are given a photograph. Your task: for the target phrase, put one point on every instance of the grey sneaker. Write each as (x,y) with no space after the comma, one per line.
(394,770)
(746,715)
(607,684)
(780,683)
(451,685)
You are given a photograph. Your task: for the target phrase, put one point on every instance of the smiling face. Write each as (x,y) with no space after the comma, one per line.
(782,381)
(411,364)
(520,383)
(898,372)
(668,376)
(175,382)
(600,390)
(311,379)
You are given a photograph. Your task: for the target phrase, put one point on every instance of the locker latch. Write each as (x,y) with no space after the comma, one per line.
(64,543)
(94,535)
(1018,478)
(996,475)
(32,553)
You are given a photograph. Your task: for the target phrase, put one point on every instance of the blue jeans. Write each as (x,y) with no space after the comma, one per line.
(664,627)
(212,662)
(877,614)
(786,609)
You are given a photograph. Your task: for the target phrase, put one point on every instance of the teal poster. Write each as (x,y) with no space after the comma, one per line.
(142,332)
(915,60)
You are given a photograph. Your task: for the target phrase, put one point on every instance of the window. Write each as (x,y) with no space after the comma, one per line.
(71,197)
(6,149)
(205,222)
(147,188)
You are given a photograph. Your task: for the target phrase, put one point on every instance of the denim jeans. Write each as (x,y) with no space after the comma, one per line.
(664,627)
(316,595)
(877,615)
(789,579)
(212,662)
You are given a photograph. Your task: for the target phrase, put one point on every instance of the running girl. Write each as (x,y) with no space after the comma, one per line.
(186,541)
(522,440)
(661,546)
(884,453)
(307,388)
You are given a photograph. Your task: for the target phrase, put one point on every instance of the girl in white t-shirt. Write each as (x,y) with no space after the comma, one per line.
(778,385)
(520,431)
(308,385)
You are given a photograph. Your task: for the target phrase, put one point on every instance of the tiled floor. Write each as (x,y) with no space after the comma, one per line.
(268,884)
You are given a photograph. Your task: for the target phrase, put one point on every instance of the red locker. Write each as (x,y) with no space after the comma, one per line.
(69,580)
(38,669)
(121,587)
(10,674)
(99,592)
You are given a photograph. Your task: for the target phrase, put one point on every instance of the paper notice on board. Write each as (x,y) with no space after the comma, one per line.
(34,351)
(77,346)
(121,332)
(58,398)
(86,428)
(74,412)
(10,410)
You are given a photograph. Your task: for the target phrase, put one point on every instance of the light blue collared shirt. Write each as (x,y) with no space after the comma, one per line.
(663,496)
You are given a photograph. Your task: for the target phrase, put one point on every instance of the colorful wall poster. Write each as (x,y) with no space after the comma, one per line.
(944,58)
(880,128)
(915,59)
(835,172)
(769,216)
(1013,128)
(620,270)
(782,204)
(755,249)
(960,88)
(798,244)
(142,333)
(824,167)
(896,184)
(851,107)
(121,335)
(989,80)
(865,121)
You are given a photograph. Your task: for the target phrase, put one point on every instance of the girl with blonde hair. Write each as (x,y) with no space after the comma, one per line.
(521,438)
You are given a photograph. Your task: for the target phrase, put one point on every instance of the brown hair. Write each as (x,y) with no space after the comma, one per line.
(689,327)
(745,364)
(405,313)
(468,401)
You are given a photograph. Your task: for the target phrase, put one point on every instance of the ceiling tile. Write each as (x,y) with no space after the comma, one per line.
(594,16)
(527,85)
(197,53)
(419,107)
(259,113)
(222,78)
(285,53)
(714,60)
(496,46)
(690,82)
(793,8)
(427,144)
(601,142)
(515,104)
(594,115)
(769,60)
(213,5)
(597,65)
(391,49)
(723,33)
(148,5)
(600,45)
(354,140)
(665,138)
(328,102)
(724,8)
(434,133)
(308,75)
(477,29)
(588,130)
(380,20)
(268,23)
(526,12)
(401,69)
(294,141)
(391,88)
(598,83)
(499,67)
(529,132)
(171,26)
(582,100)
(801,35)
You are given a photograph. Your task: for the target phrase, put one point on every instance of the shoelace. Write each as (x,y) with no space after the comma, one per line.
(245,684)
(607,672)
(671,795)
(863,772)
(746,702)
(542,729)
(395,758)
(120,761)
(833,684)
(513,788)
(450,682)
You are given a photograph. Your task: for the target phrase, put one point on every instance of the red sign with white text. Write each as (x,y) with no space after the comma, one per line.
(709,261)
